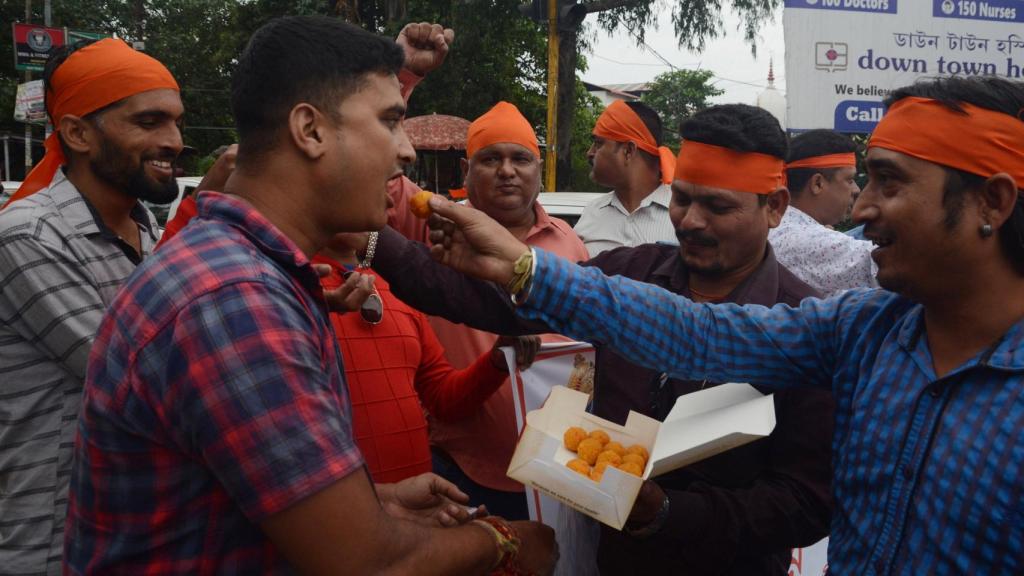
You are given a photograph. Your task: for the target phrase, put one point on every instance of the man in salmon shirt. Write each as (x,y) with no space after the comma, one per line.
(503,180)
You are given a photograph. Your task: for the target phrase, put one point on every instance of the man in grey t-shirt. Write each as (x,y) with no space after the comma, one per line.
(69,238)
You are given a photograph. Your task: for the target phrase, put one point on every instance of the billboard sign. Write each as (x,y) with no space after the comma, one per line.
(844,56)
(29,106)
(32,45)
(79,35)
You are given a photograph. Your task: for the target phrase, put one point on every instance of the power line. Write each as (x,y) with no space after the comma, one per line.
(628,63)
(666,62)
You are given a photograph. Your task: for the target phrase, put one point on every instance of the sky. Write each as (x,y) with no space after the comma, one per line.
(616,59)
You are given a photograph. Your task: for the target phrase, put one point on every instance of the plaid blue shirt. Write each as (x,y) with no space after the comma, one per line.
(214,399)
(928,474)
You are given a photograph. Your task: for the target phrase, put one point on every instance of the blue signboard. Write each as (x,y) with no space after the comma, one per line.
(880,6)
(859,116)
(1011,11)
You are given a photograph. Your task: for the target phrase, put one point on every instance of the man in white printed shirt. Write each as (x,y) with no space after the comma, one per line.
(820,171)
(627,156)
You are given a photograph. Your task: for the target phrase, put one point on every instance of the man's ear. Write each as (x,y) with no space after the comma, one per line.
(629,149)
(307,128)
(817,184)
(778,201)
(998,198)
(78,134)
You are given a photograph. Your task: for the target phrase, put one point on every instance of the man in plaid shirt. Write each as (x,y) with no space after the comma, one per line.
(216,435)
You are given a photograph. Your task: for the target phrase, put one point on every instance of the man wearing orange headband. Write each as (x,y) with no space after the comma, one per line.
(627,156)
(71,235)
(927,372)
(503,170)
(820,175)
(737,514)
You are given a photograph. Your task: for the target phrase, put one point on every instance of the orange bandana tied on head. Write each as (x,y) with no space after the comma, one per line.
(718,167)
(90,79)
(620,123)
(501,124)
(842,160)
(979,141)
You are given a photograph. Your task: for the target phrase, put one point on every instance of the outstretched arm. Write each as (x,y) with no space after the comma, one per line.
(646,324)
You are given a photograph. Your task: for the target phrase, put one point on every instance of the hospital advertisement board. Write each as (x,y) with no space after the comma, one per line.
(844,56)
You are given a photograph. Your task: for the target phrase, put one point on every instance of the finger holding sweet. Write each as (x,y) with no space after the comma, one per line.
(419,204)
(472,242)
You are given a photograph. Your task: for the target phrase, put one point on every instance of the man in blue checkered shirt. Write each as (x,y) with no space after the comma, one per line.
(928,372)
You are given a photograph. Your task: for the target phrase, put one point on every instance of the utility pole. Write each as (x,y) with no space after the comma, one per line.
(551,155)
(561,16)
(28,78)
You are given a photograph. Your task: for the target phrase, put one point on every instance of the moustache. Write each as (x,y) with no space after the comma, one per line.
(695,238)
(170,157)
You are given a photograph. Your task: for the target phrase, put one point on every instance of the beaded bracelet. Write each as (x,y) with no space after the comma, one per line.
(507,542)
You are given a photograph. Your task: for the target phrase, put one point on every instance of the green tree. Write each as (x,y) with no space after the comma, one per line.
(676,95)
(695,21)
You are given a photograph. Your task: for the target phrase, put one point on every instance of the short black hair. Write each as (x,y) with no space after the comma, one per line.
(808,145)
(738,127)
(57,57)
(652,121)
(990,93)
(649,117)
(294,59)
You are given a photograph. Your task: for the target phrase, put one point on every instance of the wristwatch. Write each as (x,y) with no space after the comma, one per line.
(654,526)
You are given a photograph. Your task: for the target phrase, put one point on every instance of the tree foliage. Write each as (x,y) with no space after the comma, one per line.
(695,21)
(676,95)
(498,54)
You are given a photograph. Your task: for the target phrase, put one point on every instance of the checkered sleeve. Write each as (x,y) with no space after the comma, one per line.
(49,299)
(650,326)
(260,401)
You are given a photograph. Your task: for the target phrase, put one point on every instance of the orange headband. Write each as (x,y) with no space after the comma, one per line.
(978,141)
(620,123)
(501,124)
(91,78)
(843,160)
(718,167)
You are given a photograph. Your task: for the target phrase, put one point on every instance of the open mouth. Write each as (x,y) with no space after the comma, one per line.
(161,167)
(880,241)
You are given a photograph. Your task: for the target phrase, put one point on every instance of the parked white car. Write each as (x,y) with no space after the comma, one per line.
(10,187)
(566,205)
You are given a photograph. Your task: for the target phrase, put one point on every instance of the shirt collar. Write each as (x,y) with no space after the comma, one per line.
(760,287)
(242,216)
(661,196)
(542,220)
(798,217)
(79,212)
(1006,354)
